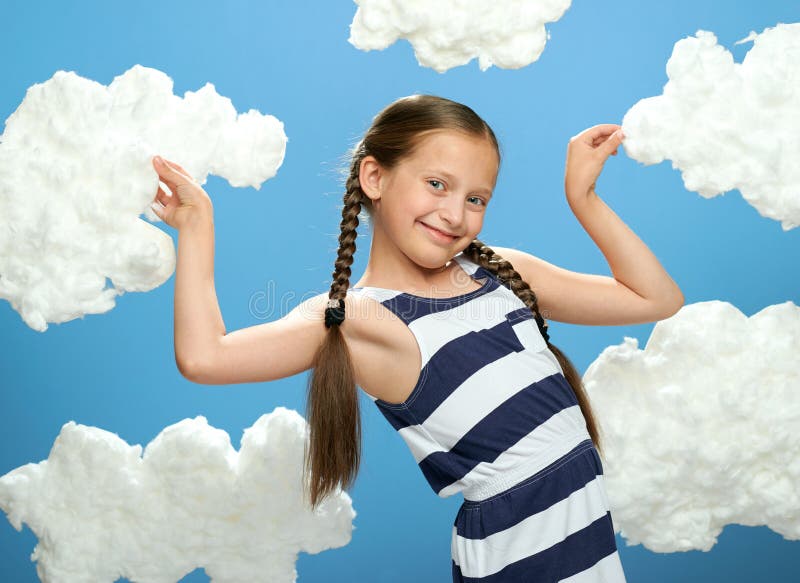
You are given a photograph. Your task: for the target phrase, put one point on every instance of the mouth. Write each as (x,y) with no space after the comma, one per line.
(440,235)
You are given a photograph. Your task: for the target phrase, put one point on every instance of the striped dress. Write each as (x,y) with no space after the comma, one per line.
(493,417)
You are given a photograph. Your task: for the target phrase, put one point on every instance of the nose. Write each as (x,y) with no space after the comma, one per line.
(451,212)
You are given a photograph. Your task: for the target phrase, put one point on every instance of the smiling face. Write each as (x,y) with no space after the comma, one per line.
(443,187)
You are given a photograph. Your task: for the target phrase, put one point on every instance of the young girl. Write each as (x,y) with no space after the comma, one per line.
(447,337)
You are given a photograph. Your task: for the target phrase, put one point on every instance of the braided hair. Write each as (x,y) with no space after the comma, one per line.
(333,451)
(485,256)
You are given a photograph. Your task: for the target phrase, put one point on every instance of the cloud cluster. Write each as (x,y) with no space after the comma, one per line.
(701,427)
(76,176)
(102,510)
(727,125)
(447,33)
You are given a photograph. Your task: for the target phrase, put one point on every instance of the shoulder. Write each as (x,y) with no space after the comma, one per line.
(385,352)
(548,281)
(357,312)
(367,320)
(527,265)
(580,298)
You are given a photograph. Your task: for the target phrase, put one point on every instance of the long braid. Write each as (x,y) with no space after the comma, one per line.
(353,196)
(333,450)
(486,257)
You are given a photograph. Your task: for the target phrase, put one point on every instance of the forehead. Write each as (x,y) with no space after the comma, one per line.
(444,143)
(454,151)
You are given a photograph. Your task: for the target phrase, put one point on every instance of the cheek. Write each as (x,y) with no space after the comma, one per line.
(476,224)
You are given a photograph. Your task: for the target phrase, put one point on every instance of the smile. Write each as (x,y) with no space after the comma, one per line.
(437,234)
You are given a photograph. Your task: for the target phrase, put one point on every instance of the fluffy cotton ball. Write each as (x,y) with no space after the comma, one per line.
(701,427)
(448,33)
(102,511)
(76,175)
(727,125)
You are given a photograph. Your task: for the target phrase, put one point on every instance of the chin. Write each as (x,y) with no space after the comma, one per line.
(429,259)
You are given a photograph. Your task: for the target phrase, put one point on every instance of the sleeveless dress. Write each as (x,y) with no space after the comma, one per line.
(493,417)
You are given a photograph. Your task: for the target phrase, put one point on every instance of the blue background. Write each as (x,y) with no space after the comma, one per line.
(116,371)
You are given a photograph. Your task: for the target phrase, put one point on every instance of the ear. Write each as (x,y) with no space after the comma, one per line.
(369,176)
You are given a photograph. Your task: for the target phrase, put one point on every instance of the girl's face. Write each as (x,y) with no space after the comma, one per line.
(444,187)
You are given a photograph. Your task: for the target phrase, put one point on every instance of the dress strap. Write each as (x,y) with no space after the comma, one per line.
(466,264)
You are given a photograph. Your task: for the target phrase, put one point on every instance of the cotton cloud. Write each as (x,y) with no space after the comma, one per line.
(701,427)
(449,33)
(101,510)
(75,177)
(727,125)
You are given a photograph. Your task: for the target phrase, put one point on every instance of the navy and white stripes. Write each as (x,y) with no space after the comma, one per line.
(491,403)
(553,526)
(493,417)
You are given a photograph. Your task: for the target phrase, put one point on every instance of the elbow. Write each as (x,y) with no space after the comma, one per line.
(680,301)
(201,367)
(673,307)
(192,371)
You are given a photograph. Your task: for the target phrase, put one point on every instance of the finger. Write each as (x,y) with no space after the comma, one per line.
(599,132)
(180,169)
(170,175)
(604,128)
(610,146)
(166,174)
(162,196)
(158,209)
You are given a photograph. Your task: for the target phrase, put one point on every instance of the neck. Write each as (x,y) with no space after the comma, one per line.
(396,271)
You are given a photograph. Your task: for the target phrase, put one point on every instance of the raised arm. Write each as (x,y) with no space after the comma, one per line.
(586,298)
(198,325)
(204,352)
(187,207)
(640,290)
(269,351)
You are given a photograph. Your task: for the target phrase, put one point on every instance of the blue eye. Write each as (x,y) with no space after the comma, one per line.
(483,203)
(432,181)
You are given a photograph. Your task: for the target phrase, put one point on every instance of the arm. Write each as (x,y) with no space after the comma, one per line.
(631,262)
(269,351)
(641,290)
(198,321)
(187,207)
(207,355)
(204,353)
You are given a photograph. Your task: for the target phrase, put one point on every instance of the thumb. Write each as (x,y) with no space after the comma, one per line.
(613,142)
(158,209)
(161,165)
(168,175)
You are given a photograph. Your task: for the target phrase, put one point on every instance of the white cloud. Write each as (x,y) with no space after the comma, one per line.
(75,176)
(701,427)
(101,510)
(727,125)
(447,33)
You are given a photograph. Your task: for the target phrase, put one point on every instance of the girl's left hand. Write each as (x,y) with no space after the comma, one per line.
(586,154)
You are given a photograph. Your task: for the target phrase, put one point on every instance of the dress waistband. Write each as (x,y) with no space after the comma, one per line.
(510,478)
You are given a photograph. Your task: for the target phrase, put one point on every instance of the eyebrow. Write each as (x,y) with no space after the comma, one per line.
(452,178)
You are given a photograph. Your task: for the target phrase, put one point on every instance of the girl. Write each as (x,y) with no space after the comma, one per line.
(447,337)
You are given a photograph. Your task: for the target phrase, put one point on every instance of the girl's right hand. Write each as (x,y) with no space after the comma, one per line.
(188,199)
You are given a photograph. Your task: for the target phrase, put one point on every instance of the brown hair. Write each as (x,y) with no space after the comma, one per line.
(332,408)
